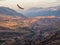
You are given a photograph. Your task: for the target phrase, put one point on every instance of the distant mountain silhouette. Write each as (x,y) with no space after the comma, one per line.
(32,12)
(11,12)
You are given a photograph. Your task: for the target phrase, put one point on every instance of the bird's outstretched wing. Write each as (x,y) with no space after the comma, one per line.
(20,7)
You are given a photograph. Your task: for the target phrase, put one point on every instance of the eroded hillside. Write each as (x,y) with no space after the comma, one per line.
(42,30)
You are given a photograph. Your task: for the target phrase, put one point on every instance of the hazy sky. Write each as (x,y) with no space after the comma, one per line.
(29,3)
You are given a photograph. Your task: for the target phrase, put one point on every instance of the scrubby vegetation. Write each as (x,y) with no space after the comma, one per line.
(41,31)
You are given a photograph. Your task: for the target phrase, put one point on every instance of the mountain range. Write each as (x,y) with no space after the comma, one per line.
(9,12)
(32,12)
(35,11)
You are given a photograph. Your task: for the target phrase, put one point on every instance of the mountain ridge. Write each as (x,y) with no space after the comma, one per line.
(35,11)
(9,12)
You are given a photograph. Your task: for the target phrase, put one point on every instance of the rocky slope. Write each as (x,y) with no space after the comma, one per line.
(44,30)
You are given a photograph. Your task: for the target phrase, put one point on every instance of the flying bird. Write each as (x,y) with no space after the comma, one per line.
(20,7)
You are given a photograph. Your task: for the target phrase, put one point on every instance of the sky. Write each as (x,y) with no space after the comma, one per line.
(29,3)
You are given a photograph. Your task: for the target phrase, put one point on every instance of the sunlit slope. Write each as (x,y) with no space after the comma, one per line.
(15,22)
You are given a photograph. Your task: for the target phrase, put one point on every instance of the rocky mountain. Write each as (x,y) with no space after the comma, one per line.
(47,31)
(41,30)
(9,12)
(33,12)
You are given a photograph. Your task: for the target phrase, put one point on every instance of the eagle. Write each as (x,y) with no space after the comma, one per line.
(20,7)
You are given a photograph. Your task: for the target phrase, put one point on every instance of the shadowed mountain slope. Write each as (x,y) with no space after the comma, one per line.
(9,12)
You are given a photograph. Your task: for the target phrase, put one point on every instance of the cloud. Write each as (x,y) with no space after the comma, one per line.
(58,0)
(2,0)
